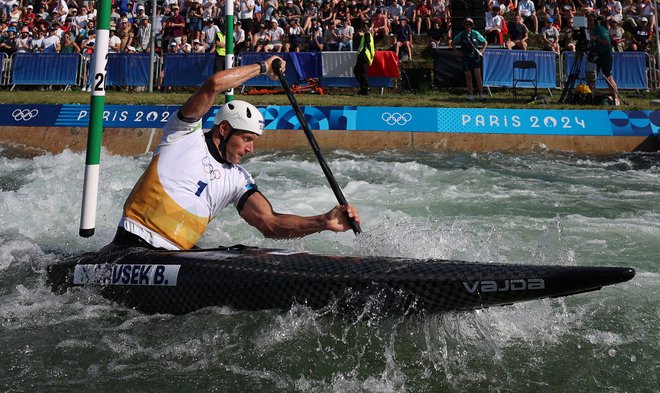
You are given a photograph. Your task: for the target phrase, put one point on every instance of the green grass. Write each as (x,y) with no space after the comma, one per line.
(445,98)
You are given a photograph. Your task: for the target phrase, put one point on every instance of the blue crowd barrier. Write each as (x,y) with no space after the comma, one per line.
(628,69)
(300,66)
(128,69)
(187,69)
(46,68)
(498,67)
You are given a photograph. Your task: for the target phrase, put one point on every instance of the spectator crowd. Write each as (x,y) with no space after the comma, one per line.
(197,26)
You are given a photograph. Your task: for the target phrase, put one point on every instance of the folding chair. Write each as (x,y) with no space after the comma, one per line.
(522,72)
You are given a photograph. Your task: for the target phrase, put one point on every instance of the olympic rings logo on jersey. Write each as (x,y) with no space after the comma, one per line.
(396,118)
(24,114)
(208,168)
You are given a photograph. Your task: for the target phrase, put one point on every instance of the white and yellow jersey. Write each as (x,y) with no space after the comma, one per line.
(182,189)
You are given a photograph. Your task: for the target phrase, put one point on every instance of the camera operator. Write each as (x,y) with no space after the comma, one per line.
(601,53)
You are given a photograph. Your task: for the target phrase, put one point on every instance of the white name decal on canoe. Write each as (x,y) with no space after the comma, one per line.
(110,274)
(505,285)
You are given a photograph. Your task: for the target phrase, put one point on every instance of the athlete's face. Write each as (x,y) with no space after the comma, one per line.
(240,144)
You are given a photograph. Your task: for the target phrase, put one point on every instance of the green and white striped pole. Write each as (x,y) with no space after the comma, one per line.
(229,42)
(95,129)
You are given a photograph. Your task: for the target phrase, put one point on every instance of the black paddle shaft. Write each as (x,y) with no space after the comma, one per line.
(277,63)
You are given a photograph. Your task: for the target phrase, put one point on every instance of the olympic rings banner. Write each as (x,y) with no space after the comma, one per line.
(356,118)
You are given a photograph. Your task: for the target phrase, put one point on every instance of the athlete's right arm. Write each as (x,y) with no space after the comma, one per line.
(202,100)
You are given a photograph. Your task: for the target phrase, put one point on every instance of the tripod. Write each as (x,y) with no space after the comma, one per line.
(572,76)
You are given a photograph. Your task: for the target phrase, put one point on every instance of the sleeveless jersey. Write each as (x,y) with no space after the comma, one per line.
(182,189)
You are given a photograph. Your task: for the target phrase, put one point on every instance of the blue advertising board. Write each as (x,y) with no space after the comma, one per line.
(361,118)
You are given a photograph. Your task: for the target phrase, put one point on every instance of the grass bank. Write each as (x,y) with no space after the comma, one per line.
(445,98)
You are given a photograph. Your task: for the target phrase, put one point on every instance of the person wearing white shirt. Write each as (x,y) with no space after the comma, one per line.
(345,32)
(527,11)
(276,34)
(209,34)
(246,14)
(114,42)
(493,29)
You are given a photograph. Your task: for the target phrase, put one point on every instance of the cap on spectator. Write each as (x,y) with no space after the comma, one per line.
(643,19)
(173,43)
(175,7)
(11,29)
(14,5)
(25,29)
(30,7)
(195,41)
(239,23)
(140,7)
(124,19)
(274,21)
(550,20)
(468,20)
(208,20)
(289,1)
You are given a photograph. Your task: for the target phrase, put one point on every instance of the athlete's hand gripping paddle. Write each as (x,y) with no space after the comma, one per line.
(277,64)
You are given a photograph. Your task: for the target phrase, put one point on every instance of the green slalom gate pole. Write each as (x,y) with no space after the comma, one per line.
(95,130)
(229,42)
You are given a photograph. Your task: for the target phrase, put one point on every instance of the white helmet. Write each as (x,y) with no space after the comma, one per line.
(241,116)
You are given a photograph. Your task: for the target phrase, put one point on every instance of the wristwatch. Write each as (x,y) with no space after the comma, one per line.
(262,67)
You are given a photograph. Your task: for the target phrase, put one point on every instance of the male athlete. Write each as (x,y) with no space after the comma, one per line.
(193,176)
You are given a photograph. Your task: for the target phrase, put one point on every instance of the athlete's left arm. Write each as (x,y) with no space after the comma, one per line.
(258,212)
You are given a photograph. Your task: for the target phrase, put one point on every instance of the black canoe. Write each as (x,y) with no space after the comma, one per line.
(177,282)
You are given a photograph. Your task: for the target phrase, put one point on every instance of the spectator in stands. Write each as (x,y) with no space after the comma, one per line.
(240,38)
(439,34)
(315,37)
(550,36)
(527,11)
(125,34)
(290,12)
(195,22)
(174,47)
(380,26)
(470,41)
(566,40)
(185,46)
(345,32)
(38,41)
(260,39)
(24,41)
(331,39)
(311,11)
(246,17)
(617,36)
(551,10)
(269,7)
(646,11)
(209,32)
(410,12)
(404,38)
(143,36)
(114,42)
(395,11)
(423,16)
(51,43)
(295,35)
(341,12)
(176,25)
(615,10)
(8,42)
(364,10)
(641,38)
(29,16)
(494,23)
(603,47)
(566,10)
(15,14)
(518,35)
(276,38)
(327,14)
(68,45)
